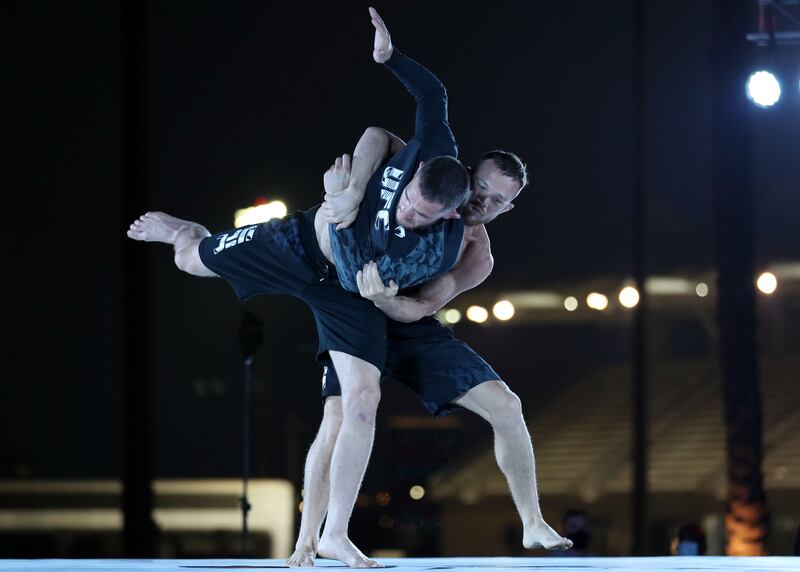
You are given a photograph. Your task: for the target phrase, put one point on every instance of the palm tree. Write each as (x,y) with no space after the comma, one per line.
(746,521)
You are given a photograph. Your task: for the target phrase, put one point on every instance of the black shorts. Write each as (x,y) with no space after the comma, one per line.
(282,256)
(426,357)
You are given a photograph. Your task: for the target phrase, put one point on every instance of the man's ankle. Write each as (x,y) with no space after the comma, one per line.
(334,533)
(308,544)
(536,519)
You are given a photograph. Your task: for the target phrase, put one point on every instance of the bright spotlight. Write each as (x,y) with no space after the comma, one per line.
(477,314)
(629,297)
(767,283)
(701,289)
(571,303)
(416,492)
(259,213)
(503,310)
(597,301)
(763,89)
(452,316)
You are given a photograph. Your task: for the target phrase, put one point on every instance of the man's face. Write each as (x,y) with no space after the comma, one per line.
(492,193)
(415,211)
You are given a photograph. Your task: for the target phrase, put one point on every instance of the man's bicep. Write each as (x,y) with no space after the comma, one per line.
(472,272)
(396,144)
(433,295)
(467,274)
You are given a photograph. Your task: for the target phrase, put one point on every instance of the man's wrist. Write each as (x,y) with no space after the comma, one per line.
(356,189)
(389,55)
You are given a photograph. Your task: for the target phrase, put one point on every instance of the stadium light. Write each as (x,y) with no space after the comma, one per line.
(452,316)
(597,301)
(261,212)
(767,283)
(629,297)
(503,310)
(763,89)
(477,314)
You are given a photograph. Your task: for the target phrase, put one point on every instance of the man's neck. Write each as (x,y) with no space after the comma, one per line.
(471,230)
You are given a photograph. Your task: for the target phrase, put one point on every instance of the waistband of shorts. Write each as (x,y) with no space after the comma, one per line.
(308,236)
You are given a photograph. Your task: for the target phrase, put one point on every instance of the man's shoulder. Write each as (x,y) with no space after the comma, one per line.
(477,235)
(476,232)
(476,239)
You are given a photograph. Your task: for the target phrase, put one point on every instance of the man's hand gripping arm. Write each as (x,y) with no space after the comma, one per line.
(473,267)
(346,181)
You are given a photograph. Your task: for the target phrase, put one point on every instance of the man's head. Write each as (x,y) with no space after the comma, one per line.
(496,181)
(689,540)
(437,189)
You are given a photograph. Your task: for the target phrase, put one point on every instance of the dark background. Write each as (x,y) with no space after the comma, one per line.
(248,99)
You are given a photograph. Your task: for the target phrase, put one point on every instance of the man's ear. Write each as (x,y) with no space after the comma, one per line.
(507,208)
(451,214)
(421,164)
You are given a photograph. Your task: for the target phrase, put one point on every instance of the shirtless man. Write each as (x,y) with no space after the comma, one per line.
(443,371)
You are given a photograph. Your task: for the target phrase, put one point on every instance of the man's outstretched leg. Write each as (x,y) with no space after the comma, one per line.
(316,484)
(360,381)
(496,403)
(287,270)
(184,235)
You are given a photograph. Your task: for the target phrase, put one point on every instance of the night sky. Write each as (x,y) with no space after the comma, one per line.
(249,99)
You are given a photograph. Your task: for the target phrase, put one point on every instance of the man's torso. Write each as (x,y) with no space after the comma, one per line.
(406,256)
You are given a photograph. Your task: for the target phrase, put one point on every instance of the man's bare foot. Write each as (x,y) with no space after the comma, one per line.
(541,535)
(302,557)
(340,548)
(157,227)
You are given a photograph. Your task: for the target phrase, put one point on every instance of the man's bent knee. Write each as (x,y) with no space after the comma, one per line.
(361,390)
(362,400)
(503,405)
(332,415)
(188,260)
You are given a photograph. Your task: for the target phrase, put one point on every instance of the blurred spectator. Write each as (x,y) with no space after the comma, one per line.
(689,540)
(575,526)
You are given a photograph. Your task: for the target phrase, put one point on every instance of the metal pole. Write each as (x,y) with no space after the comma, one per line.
(639,402)
(246,452)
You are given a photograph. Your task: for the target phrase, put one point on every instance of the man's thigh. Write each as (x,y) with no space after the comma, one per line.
(267,258)
(346,323)
(439,369)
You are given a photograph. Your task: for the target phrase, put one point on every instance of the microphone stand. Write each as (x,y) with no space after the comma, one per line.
(250,338)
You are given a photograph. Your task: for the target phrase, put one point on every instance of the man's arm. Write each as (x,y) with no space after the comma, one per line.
(431,123)
(373,149)
(344,192)
(473,267)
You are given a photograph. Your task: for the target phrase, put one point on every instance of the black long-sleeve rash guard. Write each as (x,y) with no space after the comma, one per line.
(406,256)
